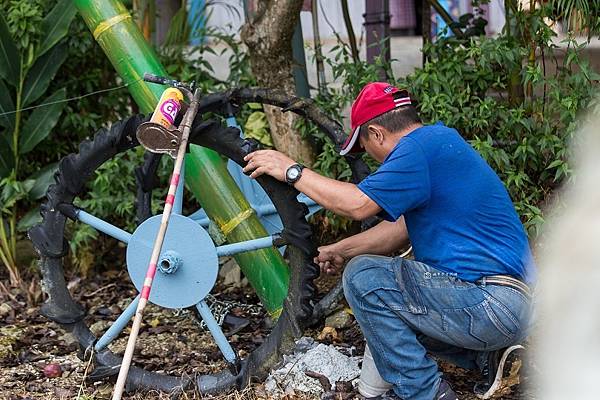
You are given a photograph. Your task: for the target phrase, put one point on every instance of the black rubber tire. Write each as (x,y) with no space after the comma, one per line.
(75,169)
(48,238)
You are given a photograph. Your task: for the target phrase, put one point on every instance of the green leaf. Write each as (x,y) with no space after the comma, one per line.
(56,24)
(30,219)
(255,106)
(12,192)
(257,127)
(7,159)
(42,73)
(6,105)
(41,122)
(43,178)
(555,164)
(10,60)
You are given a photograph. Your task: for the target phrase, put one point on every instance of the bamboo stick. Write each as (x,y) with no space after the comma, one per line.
(186,124)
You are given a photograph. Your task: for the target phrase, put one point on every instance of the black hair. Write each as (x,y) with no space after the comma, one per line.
(394,120)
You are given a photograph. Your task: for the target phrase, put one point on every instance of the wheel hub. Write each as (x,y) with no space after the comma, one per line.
(169,262)
(188,262)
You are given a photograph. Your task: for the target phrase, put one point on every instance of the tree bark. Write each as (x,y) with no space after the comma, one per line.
(268,35)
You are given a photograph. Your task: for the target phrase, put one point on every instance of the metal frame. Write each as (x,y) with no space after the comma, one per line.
(224,250)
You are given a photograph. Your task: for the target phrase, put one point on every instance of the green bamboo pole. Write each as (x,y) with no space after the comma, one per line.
(113,28)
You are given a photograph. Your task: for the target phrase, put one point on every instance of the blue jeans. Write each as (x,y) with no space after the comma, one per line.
(407,309)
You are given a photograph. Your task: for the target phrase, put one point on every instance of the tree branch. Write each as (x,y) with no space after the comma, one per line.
(350,30)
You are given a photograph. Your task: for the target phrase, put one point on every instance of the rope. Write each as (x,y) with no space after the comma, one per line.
(71,98)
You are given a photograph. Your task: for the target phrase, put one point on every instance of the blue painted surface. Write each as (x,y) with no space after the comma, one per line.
(169,262)
(248,245)
(103,226)
(256,196)
(196,20)
(216,332)
(197,274)
(439,21)
(117,327)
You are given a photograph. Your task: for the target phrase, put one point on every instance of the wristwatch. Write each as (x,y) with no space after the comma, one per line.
(293,173)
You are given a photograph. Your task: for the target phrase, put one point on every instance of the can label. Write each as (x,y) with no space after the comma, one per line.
(167,108)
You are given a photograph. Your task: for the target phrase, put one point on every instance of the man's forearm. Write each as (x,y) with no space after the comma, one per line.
(383,239)
(342,198)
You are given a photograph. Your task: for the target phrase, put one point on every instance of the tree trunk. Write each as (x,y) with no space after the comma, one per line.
(268,35)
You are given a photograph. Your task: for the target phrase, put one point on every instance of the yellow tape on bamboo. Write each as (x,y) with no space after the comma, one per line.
(228,227)
(104,25)
(276,313)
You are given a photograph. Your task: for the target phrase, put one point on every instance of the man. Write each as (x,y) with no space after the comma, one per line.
(465,296)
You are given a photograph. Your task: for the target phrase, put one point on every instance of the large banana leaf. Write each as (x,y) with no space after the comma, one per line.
(6,105)
(56,24)
(42,72)
(10,61)
(41,122)
(7,160)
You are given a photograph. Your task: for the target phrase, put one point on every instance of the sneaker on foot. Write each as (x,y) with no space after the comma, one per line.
(501,372)
(445,392)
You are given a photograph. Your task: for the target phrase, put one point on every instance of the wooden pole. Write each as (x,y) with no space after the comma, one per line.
(186,124)
(377,26)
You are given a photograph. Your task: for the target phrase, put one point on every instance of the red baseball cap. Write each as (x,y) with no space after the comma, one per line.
(374,99)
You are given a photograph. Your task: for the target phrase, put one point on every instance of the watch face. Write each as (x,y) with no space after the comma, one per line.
(292,173)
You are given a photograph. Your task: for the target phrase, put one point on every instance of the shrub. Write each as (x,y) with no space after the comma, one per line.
(504,101)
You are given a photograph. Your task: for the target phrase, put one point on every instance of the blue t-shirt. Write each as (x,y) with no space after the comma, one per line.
(459,216)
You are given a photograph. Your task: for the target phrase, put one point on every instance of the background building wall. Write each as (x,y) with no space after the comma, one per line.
(331,19)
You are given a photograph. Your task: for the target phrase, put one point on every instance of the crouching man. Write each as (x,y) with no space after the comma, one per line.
(465,297)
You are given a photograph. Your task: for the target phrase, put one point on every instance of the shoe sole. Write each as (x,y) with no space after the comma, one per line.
(505,377)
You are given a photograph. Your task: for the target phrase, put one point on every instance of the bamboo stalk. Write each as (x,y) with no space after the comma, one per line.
(208,179)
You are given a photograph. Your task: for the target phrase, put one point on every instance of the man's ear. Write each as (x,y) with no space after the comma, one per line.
(377,132)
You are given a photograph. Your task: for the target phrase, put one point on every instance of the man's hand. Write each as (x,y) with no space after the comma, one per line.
(329,259)
(270,162)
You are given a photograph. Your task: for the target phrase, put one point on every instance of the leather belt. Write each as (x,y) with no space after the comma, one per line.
(505,280)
